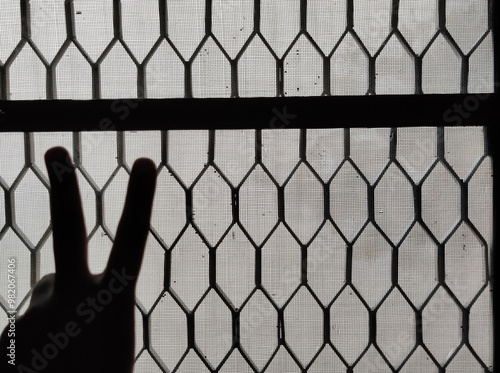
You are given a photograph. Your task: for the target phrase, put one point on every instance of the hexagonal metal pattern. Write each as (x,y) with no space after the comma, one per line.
(258,220)
(141,23)
(391,81)
(211,194)
(232,24)
(213,326)
(371,268)
(303,69)
(418,22)
(418,265)
(258,323)
(304,195)
(467,27)
(441,326)
(394,210)
(372,22)
(84,16)
(464,251)
(446,190)
(244,48)
(281,29)
(189,272)
(437,78)
(303,274)
(349,325)
(303,320)
(71,85)
(396,327)
(168,331)
(348,193)
(326,263)
(48,27)
(32,206)
(326,22)
(236,251)
(281,265)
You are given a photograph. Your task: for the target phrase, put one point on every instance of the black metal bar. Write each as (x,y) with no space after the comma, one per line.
(372,80)
(281,326)
(347,143)
(418,332)
(393,143)
(208,17)
(348,264)
(189,205)
(303,15)
(281,203)
(350,14)
(418,75)
(442,14)
(25,19)
(441,264)
(303,262)
(163,14)
(309,112)
(258,146)
(236,328)
(145,330)
(211,146)
(212,262)
(303,144)
(326,201)
(373,326)
(258,268)
(117,19)
(465,325)
(395,14)
(417,200)
(371,202)
(190,330)
(464,83)
(168,261)
(256,16)
(395,266)
(70,22)
(464,198)
(235,205)
(326,325)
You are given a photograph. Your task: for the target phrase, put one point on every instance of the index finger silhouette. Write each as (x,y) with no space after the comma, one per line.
(68,225)
(128,248)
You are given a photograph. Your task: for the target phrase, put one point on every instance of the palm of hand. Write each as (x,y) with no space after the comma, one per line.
(76,321)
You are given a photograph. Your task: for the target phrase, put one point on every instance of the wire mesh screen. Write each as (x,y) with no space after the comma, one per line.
(77,49)
(319,250)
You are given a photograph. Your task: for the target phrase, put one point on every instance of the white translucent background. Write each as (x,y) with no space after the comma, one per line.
(325,57)
(107,156)
(136,57)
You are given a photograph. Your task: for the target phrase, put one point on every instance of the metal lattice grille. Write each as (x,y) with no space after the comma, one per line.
(77,49)
(346,250)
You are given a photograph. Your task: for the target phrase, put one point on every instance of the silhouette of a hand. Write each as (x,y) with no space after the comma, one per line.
(76,321)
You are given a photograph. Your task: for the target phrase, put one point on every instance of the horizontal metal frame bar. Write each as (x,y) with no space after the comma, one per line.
(250,113)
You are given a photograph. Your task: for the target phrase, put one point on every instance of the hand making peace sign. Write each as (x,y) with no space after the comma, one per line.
(76,321)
